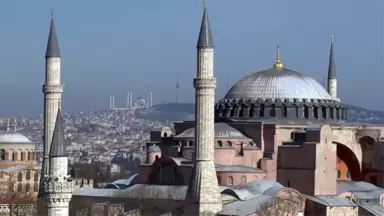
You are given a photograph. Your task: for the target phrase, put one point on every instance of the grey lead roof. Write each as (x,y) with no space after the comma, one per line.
(59,145)
(205,36)
(276,83)
(222,130)
(53,44)
(332,66)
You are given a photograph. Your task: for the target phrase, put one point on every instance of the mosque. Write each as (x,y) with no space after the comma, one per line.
(277,142)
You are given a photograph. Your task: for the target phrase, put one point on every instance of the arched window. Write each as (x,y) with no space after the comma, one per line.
(289,184)
(28,175)
(165,134)
(243,180)
(315,113)
(229,143)
(27,188)
(20,177)
(2,154)
(272,112)
(36,177)
(229,180)
(261,111)
(331,112)
(348,174)
(12,187)
(220,143)
(156,157)
(190,143)
(19,188)
(35,187)
(338,174)
(324,112)
(219,180)
(306,112)
(284,111)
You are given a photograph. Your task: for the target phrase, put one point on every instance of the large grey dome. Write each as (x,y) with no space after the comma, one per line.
(277,83)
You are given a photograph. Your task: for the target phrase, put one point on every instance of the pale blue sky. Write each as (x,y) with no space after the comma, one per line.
(112,46)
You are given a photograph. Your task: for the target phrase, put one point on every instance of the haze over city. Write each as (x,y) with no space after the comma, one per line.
(111,48)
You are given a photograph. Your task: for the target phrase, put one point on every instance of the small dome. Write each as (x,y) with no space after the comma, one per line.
(222,130)
(154,148)
(277,83)
(13,137)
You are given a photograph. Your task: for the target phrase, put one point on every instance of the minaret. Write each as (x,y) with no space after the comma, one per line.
(332,80)
(58,185)
(203,189)
(52,89)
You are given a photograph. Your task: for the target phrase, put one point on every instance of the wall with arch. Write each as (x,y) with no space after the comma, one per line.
(236,178)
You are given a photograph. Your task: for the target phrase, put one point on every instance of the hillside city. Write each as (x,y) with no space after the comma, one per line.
(117,137)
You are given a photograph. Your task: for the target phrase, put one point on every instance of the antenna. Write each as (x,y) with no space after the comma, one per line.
(177,88)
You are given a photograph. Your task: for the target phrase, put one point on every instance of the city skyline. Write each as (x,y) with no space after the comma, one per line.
(114,53)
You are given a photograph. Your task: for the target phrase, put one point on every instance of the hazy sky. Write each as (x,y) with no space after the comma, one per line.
(109,47)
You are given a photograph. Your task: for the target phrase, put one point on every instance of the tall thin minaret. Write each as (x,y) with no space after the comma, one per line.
(58,186)
(128,100)
(52,89)
(177,88)
(203,189)
(332,80)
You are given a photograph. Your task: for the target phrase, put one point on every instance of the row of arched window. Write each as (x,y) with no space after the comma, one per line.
(304,111)
(28,176)
(243,180)
(17,156)
(26,189)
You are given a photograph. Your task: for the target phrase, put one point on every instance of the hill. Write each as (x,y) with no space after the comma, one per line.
(185,111)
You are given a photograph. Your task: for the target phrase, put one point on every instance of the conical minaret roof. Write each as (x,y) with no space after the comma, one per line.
(205,36)
(53,44)
(332,66)
(59,144)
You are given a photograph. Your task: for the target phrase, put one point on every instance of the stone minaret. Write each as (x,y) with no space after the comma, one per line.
(203,190)
(332,80)
(52,90)
(58,186)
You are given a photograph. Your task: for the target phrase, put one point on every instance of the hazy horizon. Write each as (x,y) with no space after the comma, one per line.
(128,45)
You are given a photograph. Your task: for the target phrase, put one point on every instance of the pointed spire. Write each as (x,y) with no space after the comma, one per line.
(278,63)
(59,144)
(53,44)
(331,66)
(205,36)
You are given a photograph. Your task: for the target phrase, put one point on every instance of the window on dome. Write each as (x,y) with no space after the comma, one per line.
(36,177)
(20,177)
(261,111)
(331,112)
(306,112)
(324,112)
(35,187)
(272,112)
(315,112)
(284,111)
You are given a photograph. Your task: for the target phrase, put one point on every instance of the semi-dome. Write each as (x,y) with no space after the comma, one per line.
(154,148)
(13,137)
(222,131)
(277,83)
